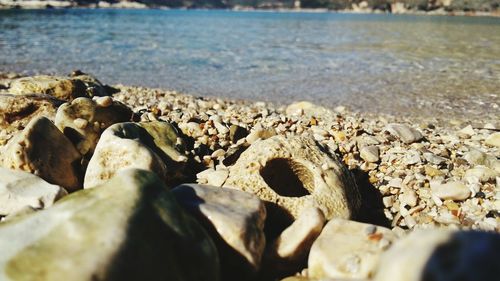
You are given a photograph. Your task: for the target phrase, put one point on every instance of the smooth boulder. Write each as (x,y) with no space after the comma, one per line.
(234,218)
(42,149)
(123,145)
(131,228)
(19,190)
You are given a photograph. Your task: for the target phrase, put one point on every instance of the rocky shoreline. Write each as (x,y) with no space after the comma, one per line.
(218,189)
(394,7)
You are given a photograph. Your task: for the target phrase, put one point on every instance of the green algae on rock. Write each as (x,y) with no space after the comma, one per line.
(130,228)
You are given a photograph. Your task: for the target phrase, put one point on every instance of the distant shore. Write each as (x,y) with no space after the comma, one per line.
(396,8)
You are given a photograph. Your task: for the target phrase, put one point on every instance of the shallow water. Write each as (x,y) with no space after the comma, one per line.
(376,63)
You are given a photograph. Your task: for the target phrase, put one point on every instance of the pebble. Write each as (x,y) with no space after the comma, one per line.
(104,101)
(493,140)
(405,133)
(370,154)
(451,190)
(467,131)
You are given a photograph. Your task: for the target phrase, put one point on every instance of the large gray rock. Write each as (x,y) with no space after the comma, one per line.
(131,228)
(295,173)
(42,149)
(83,120)
(19,190)
(442,255)
(234,218)
(348,249)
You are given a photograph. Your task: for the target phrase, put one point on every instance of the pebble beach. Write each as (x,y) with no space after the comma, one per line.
(404,180)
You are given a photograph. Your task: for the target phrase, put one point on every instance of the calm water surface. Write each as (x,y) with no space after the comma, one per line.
(388,63)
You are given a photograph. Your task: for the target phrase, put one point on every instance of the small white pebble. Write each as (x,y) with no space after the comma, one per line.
(104,101)
(80,123)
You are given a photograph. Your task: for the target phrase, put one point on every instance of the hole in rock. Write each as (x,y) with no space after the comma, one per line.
(287,177)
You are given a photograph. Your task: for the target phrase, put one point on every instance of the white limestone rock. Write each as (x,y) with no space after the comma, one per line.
(123,145)
(237,218)
(405,133)
(348,249)
(493,140)
(370,153)
(440,254)
(41,149)
(451,190)
(294,243)
(20,189)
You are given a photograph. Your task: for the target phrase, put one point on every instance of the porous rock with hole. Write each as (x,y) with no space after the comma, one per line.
(123,145)
(293,173)
(130,228)
(17,111)
(83,120)
(43,150)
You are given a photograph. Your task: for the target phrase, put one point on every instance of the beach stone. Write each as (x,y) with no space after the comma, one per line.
(452,190)
(41,149)
(308,109)
(467,131)
(294,243)
(483,174)
(405,133)
(299,108)
(19,189)
(83,120)
(442,255)
(167,139)
(433,172)
(363,141)
(259,134)
(131,228)
(475,157)
(123,145)
(369,154)
(213,177)
(59,87)
(493,140)
(93,87)
(293,173)
(236,133)
(17,111)
(348,249)
(434,159)
(234,218)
